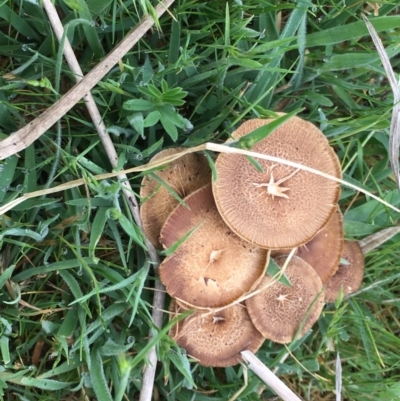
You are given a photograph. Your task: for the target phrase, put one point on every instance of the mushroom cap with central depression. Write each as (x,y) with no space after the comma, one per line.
(184,175)
(281,207)
(279,311)
(212,267)
(216,339)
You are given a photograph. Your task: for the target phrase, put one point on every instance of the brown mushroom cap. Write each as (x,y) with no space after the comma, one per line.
(278,311)
(184,176)
(349,275)
(213,267)
(217,339)
(324,251)
(295,209)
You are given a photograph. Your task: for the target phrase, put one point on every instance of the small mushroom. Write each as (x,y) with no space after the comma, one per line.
(323,252)
(281,207)
(279,311)
(212,267)
(184,176)
(216,339)
(350,273)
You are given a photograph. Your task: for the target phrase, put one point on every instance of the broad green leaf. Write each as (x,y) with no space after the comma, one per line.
(359,229)
(5,349)
(153,148)
(17,22)
(138,105)
(74,287)
(151,91)
(21,232)
(245,62)
(96,7)
(51,267)
(168,112)
(7,170)
(169,251)
(255,163)
(136,121)
(122,284)
(147,71)
(273,270)
(354,30)
(169,127)
(356,60)
(131,230)
(111,348)
(261,133)
(211,163)
(152,119)
(89,30)
(97,229)
(69,323)
(44,384)
(6,275)
(182,363)
(143,352)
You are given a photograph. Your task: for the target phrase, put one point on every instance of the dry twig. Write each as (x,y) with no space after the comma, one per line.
(22,138)
(269,378)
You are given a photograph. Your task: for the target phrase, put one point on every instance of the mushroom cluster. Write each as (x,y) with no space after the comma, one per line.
(224,232)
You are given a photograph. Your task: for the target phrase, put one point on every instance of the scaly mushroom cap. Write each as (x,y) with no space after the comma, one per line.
(323,252)
(217,339)
(213,267)
(184,176)
(280,207)
(349,275)
(279,311)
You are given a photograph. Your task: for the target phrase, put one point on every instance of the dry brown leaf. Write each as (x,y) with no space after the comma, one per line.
(374,240)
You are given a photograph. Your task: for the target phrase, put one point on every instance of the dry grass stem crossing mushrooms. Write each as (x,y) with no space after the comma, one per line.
(281,207)
(323,252)
(213,267)
(279,311)
(216,339)
(184,176)
(350,273)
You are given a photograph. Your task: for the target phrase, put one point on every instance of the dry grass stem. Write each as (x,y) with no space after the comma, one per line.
(166,160)
(394,139)
(25,136)
(269,378)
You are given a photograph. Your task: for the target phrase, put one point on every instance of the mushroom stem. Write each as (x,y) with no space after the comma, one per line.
(215,255)
(268,377)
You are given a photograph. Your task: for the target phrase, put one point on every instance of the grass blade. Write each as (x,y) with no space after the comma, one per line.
(394,140)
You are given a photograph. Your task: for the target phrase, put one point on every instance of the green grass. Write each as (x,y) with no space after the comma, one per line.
(76,283)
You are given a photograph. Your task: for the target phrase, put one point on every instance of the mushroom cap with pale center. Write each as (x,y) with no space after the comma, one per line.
(212,267)
(281,207)
(184,175)
(350,273)
(279,311)
(216,339)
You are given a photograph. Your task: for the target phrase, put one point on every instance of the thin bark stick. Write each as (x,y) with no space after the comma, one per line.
(27,135)
(269,378)
(159,296)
